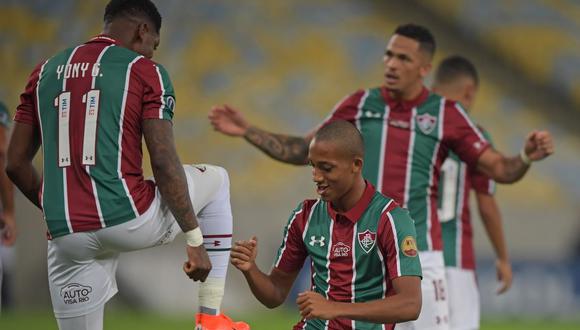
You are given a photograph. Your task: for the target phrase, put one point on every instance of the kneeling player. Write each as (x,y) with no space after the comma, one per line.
(365,268)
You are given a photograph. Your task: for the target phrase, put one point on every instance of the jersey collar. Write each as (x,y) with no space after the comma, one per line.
(404,105)
(104,38)
(358,209)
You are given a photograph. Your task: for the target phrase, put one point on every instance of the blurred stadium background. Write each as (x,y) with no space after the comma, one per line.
(285,64)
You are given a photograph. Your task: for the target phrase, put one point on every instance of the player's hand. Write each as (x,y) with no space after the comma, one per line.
(8,231)
(228,120)
(539,145)
(313,305)
(504,275)
(243,254)
(197,266)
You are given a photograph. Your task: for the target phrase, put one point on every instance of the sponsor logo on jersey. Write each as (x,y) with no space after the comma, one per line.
(399,123)
(340,250)
(371,114)
(426,123)
(75,293)
(367,240)
(314,240)
(409,246)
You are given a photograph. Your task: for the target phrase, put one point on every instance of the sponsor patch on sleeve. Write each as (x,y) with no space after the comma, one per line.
(409,246)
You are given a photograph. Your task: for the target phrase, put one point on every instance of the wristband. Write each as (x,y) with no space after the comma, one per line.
(194,238)
(525,157)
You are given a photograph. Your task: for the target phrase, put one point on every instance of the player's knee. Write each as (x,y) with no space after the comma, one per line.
(225,176)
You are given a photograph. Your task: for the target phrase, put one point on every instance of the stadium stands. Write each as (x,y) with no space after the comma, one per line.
(286,63)
(539,37)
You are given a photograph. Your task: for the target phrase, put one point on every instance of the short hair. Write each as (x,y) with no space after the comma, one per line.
(345,134)
(420,34)
(144,8)
(453,67)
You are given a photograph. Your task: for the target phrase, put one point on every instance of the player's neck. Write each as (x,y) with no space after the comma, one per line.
(409,94)
(351,198)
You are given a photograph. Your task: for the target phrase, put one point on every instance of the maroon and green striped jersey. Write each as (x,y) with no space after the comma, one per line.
(406,143)
(354,255)
(457,180)
(87,104)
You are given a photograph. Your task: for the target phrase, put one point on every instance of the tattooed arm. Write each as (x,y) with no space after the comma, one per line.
(538,145)
(168,171)
(287,149)
(172,184)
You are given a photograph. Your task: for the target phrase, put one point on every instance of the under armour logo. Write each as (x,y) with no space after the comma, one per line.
(313,240)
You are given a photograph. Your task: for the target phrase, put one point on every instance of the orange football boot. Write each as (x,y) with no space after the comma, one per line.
(218,322)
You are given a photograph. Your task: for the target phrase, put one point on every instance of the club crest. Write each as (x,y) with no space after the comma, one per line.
(426,123)
(367,240)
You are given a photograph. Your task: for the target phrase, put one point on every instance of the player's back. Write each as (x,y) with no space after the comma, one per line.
(90,105)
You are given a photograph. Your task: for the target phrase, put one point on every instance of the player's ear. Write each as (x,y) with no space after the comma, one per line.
(357,164)
(142,30)
(470,92)
(425,68)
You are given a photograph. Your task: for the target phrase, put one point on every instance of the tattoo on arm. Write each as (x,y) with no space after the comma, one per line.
(168,171)
(285,148)
(514,168)
(501,168)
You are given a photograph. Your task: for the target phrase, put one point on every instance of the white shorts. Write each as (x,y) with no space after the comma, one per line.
(435,309)
(463,298)
(82,266)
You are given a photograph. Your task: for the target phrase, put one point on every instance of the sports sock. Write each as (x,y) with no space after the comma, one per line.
(91,321)
(215,220)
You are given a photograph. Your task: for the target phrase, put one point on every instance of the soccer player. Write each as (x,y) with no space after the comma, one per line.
(89,107)
(407,132)
(365,268)
(456,78)
(7,221)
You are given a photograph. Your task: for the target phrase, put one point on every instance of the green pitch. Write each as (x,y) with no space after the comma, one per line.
(267,320)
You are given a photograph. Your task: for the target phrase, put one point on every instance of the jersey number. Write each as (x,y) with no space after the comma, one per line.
(63,103)
(450,172)
(439,288)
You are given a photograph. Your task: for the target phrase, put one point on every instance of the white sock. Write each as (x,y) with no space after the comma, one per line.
(215,220)
(211,293)
(92,321)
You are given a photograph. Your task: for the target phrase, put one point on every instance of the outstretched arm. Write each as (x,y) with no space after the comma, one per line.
(172,184)
(23,147)
(492,222)
(285,148)
(272,289)
(538,145)
(404,305)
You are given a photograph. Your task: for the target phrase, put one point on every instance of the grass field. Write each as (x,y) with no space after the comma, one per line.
(272,320)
